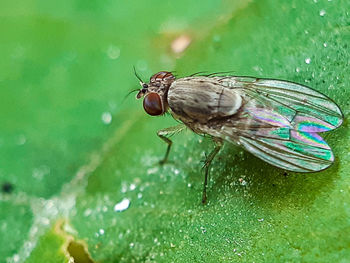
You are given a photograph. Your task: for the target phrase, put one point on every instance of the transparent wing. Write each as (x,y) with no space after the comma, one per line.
(291,153)
(279,123)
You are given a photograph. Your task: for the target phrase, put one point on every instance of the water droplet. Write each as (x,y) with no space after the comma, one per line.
(139,195)
(124,187)
(261,219)
(297,70)
(113,52)
(87,212)
(308,60)
(16,258)
(322,12)
(106,117)
(123,205)
(325,44)
(101,231)
(132,187)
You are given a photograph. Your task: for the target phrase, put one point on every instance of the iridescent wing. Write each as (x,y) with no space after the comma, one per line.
(280,121)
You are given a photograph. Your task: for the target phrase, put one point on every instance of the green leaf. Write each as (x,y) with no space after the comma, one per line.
(49,248)
(73,151)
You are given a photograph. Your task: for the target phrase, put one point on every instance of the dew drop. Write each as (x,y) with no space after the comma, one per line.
(16,258)
(322,12)
(106,117)
(101,231)
(124,187)
(123,205)
(87,212)
(308,60)
(325,44)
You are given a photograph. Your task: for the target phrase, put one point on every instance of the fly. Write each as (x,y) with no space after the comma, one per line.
(277,121)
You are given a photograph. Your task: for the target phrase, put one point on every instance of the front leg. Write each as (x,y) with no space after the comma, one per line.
(164,134)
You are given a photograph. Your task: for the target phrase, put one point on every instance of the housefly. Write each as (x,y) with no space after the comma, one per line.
(277,121)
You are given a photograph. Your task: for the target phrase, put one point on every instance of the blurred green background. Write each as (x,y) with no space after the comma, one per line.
(71,150)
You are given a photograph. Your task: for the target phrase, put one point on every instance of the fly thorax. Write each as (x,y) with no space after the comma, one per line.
(202,99)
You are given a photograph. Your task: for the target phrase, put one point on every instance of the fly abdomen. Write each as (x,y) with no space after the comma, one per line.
(229,101)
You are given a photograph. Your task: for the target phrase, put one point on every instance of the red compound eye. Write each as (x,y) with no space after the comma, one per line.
(153,104)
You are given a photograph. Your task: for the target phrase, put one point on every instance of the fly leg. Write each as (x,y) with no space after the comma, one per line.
(164,134)
(206,166)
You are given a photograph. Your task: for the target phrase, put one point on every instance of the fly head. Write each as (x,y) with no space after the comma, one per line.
(155,92)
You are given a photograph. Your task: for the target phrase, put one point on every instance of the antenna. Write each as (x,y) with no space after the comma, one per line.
(137,76)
